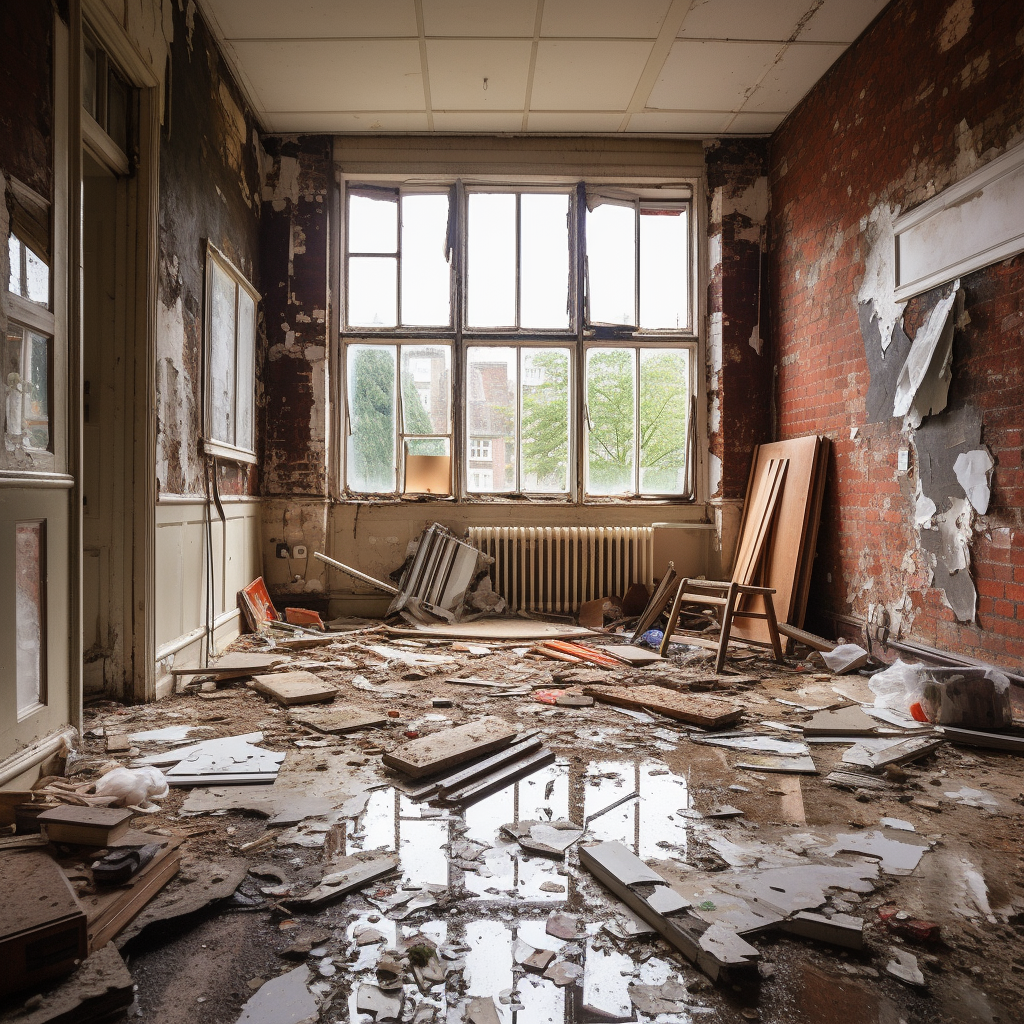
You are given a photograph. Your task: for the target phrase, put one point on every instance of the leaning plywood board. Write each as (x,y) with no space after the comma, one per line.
(709,712)
(290,688)
(793,510)
(799,609)
(446,749)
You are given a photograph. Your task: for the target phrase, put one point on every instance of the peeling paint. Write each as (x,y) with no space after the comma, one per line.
(878,286)
(955,24)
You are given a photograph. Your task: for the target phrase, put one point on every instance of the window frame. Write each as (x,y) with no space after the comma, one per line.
(579,337)
(212,445)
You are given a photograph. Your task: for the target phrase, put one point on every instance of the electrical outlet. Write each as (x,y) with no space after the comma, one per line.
(282,551)
(903,460)
(299,551)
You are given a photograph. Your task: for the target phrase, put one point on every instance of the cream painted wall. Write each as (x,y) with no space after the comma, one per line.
(181,575)
(373,538)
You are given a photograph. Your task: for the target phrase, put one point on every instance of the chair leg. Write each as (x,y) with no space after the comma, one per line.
(773,626)
(723,638)
(673,617)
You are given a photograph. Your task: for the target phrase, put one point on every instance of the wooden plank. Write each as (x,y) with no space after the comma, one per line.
(290,688)
(86,826)
(752,542)
(233,666)
(764,530)
(442,750)
(525,743)
(816,643)
(709,712)
(811,537)
(784,561)
(502,777)
(658,603)
(337,721)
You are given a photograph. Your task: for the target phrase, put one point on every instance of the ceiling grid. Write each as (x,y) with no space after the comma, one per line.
(686,68)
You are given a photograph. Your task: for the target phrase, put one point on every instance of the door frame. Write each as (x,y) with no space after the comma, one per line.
(137,311)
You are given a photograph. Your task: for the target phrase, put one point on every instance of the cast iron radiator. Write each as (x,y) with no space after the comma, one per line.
(557,568)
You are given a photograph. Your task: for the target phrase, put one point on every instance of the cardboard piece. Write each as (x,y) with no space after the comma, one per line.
(442,750)
(290,688)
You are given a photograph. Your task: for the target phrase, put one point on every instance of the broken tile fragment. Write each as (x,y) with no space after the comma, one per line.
(549,837)
(282,1000)
(565,926)
(564,973)
(904,966)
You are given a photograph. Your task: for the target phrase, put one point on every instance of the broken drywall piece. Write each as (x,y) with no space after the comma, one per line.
(787,891)
(924,380)
(924,509)
(482,1011)
(549,837)
(904,967)
(845,658)
(874,755)
(237,762)
(849,721)
(839,929)
(896,856)
(380,1004)
(972,471)
(283,1000)
(756,743)
(948,543)
(778,763)
(655,1000)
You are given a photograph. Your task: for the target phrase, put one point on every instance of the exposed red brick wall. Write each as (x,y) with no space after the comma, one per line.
(930,91)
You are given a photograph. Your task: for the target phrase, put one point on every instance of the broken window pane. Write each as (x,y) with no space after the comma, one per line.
(30,614)
(611,264)
(544,261)
(428,465)
(664,412)
(426,389)
(491,415)
(27,388)
(612,415)
(373,291)
(664,292)
(492,260)
(372,417)
(245,370)
(426,275)
(30,275)
(545,420)
(222,356)
(372,223)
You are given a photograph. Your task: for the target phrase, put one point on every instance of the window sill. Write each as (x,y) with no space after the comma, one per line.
(222,450)
(508,500)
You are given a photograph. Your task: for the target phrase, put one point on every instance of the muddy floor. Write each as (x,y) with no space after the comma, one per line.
(473,893)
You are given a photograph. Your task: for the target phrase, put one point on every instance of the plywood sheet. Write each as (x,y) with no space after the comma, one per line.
(783,564)
(290,688)
(451,747)
(709,712)
(338,720)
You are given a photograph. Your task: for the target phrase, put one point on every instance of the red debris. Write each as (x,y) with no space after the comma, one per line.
(547,696)
(901,923)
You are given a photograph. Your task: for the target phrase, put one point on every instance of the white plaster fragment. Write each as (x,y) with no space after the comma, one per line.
(923,382)
(954,528)
(972,470)
(714,473)
(879,282)
(287,187)
(752,202)
(924,511)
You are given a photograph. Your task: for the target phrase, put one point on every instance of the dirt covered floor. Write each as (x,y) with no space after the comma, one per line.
(470,903)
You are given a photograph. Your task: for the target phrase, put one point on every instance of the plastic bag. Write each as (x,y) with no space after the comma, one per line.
(135,788)
(972,698)
(900,687)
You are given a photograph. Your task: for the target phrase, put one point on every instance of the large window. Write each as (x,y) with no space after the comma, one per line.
(506,341)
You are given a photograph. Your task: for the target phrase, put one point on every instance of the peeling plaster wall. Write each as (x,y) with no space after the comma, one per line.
(209,190)
(296,240)
(930,92)
(26,94)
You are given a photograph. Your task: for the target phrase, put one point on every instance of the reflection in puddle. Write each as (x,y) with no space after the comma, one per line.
(511,892)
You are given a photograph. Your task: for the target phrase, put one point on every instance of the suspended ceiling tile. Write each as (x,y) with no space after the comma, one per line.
(587,75)
(334,75)
(696,122)
(331,121)
(476,18)
(458,67)
(793,75)
(710,75)
(756,124)
(575,121)
(312,19)
(744,19)
(639,19)
(478,121)
(841,21)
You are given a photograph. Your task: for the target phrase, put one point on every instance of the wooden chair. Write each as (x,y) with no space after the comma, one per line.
(726,597)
